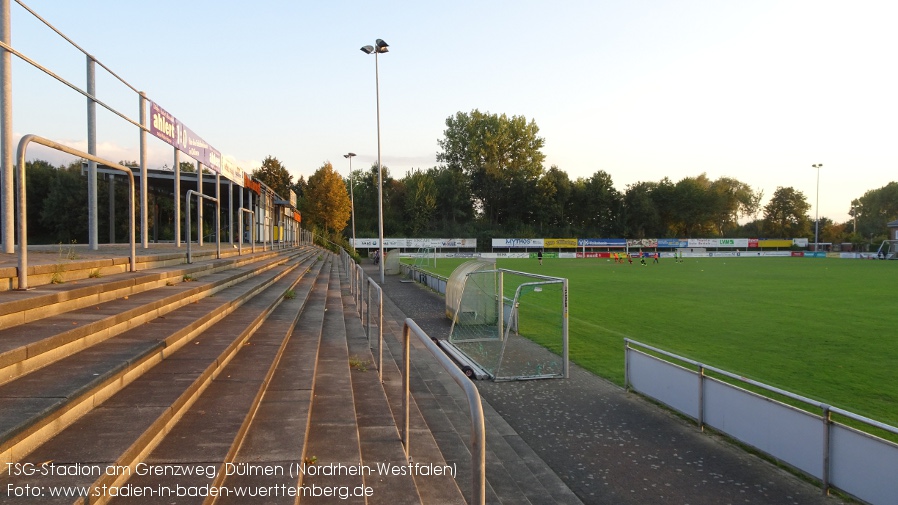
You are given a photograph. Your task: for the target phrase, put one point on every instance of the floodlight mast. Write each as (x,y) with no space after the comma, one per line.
(817,211)
(379,47)
(351,197)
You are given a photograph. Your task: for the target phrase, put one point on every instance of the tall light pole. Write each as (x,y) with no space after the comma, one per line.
(817,216)
(379,47)
(351,197)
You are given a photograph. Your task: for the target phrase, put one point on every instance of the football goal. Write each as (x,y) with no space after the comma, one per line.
(426,257)
(509,325)
(888,250)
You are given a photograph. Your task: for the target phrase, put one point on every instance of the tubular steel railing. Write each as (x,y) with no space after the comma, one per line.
(200,196)
(478,432)
(22,203)
(252,231)
(380,323)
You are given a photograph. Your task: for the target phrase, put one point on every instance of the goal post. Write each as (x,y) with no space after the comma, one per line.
(513,325)
(426,257)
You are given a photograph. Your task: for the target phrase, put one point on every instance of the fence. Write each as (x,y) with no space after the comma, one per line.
(429,279)
(840,456)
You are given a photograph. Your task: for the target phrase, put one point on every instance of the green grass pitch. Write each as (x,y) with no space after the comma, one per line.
(822,328)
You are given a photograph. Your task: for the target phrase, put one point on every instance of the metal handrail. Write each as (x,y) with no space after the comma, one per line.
(252,232)
(478,431)
(22,203)
(380,324)
(190,193)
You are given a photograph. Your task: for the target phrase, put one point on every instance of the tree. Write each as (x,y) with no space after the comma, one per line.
(875,210)
(501,156)
(420,201)
(274,175)
(552,202)
(64,210)
(326,204)
(454,204)
(596,206)
(786,213)
(640,215)
(732,200)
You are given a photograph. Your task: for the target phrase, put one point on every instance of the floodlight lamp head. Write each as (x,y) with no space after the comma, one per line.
(368,49)
(350,155)
(382,46)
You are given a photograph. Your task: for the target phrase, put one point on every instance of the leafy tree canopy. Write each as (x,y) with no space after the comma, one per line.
(274,174)
(326,203)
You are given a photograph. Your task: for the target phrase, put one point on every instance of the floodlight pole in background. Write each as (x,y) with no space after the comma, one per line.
(817,212)
(351,196)
(379,47)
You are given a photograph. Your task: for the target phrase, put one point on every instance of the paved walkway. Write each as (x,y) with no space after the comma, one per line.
(611,446)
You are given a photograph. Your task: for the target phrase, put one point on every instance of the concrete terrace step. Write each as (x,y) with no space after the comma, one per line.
(276,437)
(39,405)
(211,431)
(48,263)
(333,438)
(27,347)
(18,307)
(130,424)
(379,435)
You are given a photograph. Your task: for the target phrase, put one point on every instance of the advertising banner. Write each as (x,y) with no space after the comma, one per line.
(416,243)
(672,243)
(703,242)
(167,128)
(775,243)
(517,242)
(602,242)
(560,243)
(643,242)
(231,172)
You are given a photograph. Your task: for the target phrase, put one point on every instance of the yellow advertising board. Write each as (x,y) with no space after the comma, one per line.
(560,243)
(774,243)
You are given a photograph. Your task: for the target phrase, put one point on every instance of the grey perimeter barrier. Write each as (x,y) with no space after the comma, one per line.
(357,281)
(841,457)
(431,280)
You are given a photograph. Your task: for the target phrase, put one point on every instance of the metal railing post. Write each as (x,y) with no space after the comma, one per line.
(827,423)
(92,216)
(7,169)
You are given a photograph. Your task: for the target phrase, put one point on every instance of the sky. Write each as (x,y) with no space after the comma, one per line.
(759,91)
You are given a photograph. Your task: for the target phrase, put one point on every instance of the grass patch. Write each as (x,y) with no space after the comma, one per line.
(821,328)
(357,363)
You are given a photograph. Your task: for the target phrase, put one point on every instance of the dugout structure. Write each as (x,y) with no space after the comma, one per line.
(507,325)
(391,262)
